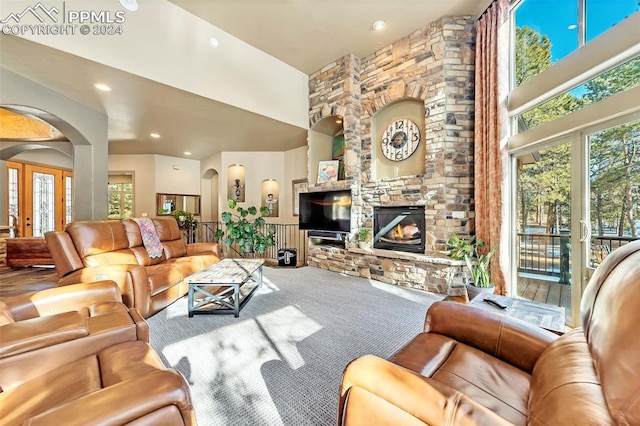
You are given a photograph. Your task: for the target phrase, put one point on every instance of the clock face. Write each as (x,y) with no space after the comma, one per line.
(400,140)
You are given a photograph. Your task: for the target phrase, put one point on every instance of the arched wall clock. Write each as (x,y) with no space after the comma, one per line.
(400,139)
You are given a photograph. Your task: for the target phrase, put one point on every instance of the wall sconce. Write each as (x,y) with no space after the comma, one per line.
(270,196)
(235,182)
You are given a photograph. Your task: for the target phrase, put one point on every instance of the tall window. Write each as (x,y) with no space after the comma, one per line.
(547,31)
(120,194)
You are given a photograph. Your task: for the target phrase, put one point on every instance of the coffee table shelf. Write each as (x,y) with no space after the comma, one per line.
(224,288)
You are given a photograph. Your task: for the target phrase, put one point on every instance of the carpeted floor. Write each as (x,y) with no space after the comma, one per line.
(281,361)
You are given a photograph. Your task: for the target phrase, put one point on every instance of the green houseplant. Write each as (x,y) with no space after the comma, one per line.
(364,237)
(478,264)
(185,219)
(247,229)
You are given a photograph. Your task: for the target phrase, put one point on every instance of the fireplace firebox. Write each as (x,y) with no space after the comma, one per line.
(399,228)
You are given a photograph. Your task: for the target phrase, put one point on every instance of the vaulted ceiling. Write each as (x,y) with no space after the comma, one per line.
(249,94)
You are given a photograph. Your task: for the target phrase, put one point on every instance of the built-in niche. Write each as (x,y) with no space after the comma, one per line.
(235,182)
(398,138)
(271,196)
(326,151)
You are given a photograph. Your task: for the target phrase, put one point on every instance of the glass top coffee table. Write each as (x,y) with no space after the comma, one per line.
(225,287)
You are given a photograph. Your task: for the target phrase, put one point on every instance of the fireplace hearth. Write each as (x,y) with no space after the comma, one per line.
(399,228)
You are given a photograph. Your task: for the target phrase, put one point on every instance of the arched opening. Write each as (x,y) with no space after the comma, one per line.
(326,146)
(210,196)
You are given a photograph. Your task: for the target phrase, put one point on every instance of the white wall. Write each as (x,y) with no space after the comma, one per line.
(281,166)
(177,175)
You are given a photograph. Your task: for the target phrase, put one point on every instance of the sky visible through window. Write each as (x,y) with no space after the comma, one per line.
(558,20)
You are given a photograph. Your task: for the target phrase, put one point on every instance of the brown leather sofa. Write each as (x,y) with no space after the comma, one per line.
(113,249)
(122,384)
(473,367)
(43,330)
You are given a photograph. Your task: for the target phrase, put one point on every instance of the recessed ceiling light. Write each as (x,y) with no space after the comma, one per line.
(572,27)
(214,42)
(131,5)
(187,153)
(103,87)
(378,25)
(154,135)
(338,120)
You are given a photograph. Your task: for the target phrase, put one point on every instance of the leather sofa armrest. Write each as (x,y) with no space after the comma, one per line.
(37,333)
(62,299)
(196,248)
(132,280)
(509,339)
(142,327)
(125,402)
(375,391)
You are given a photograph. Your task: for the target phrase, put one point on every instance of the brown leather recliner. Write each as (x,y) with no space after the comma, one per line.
(122,384)
(473,367)
(113,249)
(43,330)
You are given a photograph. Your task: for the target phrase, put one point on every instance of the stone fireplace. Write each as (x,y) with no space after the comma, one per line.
(399,228)
(427,78)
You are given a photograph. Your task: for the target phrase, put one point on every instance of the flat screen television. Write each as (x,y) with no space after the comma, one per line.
(326,211)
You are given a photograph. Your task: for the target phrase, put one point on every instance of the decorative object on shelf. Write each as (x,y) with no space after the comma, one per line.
(247,229)
(298,186)
(235,179)
(270,196)
(364,238)
(328,171)
(400,140)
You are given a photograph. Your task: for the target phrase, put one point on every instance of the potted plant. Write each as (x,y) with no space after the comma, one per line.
(477,263)
(247,229)
(185,219)
(364,239)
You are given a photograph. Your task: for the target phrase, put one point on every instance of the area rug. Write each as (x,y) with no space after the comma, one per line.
(281,361)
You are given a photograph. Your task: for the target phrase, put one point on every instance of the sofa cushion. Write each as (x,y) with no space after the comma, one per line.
(6,317)
(564,386)
(49,390)
(136,245)
(95,237)
(162,277)
(494,384)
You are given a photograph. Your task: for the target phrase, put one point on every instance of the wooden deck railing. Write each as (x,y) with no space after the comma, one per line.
(549,254)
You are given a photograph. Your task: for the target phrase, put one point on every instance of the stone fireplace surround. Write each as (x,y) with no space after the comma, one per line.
(435,65)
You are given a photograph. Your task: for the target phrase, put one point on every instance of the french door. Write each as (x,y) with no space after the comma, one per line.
(39,198)
(576,199)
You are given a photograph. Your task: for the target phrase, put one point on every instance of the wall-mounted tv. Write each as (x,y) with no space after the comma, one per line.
(326,211)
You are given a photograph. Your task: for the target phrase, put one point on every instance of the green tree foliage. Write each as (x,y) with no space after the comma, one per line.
(544,181)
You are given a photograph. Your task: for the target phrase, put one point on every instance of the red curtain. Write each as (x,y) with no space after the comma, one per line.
(491,131)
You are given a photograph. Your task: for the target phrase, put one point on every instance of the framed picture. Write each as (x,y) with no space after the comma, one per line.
(298,186)
(328,171)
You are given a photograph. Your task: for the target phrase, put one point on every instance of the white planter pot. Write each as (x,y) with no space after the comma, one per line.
(473,291)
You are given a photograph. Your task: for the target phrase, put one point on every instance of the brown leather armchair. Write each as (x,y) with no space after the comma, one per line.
(40,331)
(473,367)
(122,384)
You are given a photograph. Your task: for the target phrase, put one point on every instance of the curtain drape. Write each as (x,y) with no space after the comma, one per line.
(491,131)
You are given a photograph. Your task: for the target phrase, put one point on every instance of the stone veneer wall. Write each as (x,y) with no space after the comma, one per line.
(435,65)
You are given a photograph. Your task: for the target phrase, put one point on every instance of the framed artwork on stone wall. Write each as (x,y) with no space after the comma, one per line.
(328,171)
(298,186)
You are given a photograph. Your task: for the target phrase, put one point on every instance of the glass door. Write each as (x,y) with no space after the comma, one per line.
(543,226)
(612,216)
(46,191)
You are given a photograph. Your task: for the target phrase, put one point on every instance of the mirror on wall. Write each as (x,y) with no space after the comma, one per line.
(166,204)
